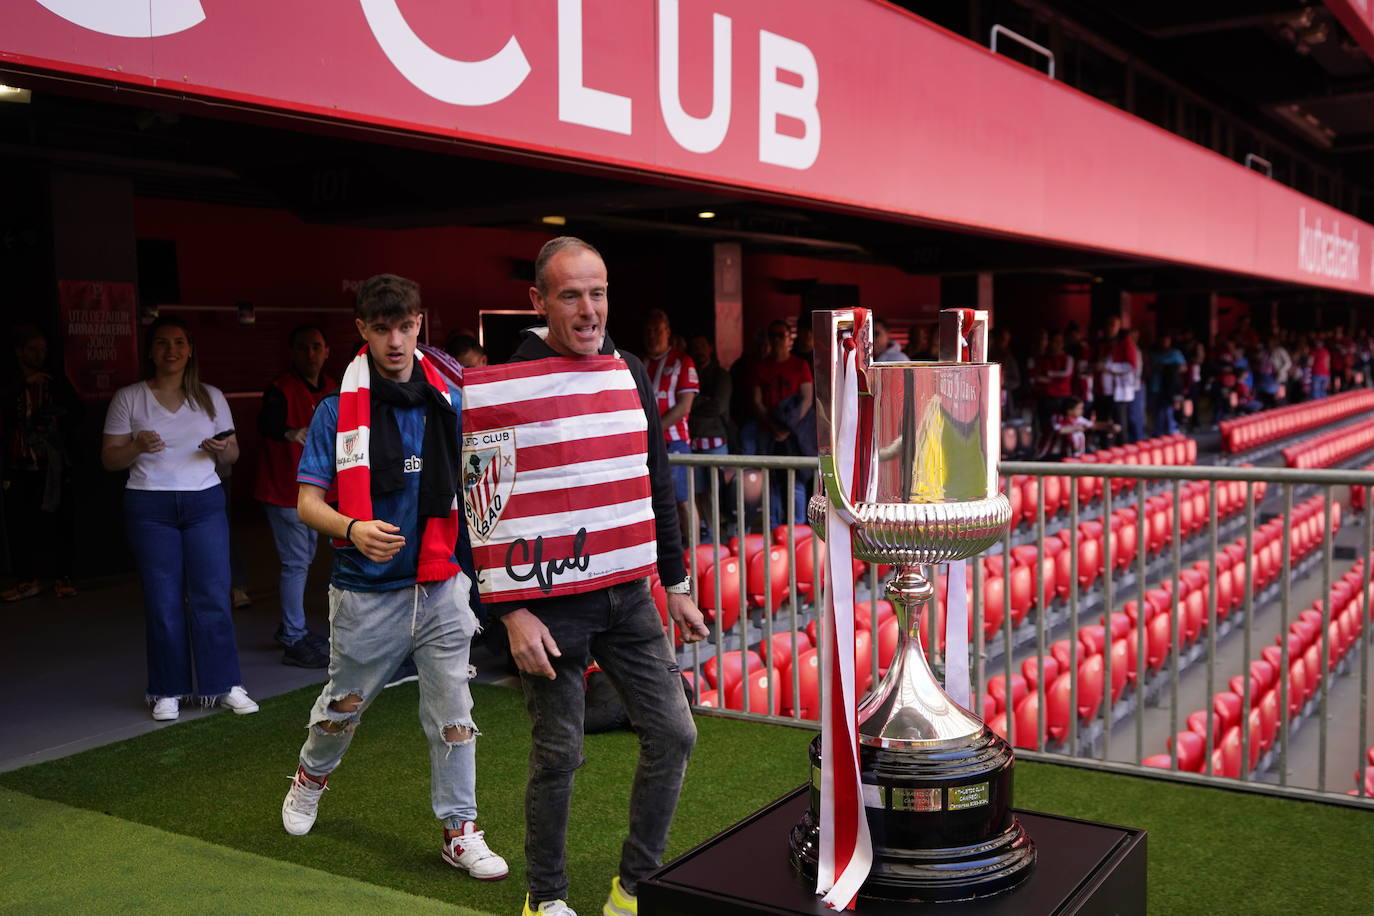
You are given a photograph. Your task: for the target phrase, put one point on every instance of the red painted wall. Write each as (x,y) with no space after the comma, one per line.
(892,293)
(272,258)
(1028,305)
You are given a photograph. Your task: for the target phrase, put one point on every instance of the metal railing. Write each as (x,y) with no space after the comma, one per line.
(755,607)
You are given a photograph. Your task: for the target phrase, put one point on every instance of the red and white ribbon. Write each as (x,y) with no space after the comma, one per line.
(846,851)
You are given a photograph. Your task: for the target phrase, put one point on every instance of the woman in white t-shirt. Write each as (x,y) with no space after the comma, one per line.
(170,432)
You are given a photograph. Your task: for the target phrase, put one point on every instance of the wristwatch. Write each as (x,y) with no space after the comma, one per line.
(682,588)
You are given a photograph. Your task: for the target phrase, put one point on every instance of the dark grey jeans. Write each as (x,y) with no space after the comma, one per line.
(619,627)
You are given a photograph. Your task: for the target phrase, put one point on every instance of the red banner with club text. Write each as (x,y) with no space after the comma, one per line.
(855,104)
(99,330)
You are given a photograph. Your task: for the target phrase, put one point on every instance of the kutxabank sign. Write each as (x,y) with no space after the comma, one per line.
(848,103)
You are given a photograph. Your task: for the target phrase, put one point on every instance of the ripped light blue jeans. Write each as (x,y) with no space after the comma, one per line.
(370,633)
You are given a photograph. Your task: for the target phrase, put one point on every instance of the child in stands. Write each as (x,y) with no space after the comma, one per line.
(1070,438)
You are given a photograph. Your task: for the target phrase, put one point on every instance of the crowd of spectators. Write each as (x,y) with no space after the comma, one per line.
(1070,392)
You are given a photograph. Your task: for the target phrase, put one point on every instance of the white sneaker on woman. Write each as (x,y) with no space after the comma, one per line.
(166,709)
(238,700)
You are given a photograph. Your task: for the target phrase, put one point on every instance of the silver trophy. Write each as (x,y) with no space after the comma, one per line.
(937,780)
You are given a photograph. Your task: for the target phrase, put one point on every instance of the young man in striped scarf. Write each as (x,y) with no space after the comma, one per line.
(552,639)
(392,441)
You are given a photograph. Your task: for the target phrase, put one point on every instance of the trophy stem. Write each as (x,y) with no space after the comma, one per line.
(910,708)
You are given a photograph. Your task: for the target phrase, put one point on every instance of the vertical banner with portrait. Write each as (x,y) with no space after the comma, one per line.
(99,324)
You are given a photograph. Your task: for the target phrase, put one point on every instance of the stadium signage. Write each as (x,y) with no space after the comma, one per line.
(788,83)
(1327,253)
(854,105)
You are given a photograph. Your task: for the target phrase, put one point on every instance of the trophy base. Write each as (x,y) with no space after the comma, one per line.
(940,819)
(1081,868)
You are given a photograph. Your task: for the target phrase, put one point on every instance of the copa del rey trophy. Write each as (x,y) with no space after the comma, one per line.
(911,794)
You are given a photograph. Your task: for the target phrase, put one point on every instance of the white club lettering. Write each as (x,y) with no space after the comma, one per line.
(777,53)
(129,18)
(458,82)
(579,104)
(697,135)
(414,464)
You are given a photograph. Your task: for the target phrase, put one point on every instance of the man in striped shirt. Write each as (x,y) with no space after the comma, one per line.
(674,379)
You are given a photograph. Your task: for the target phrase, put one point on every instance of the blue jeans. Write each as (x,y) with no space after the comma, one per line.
(370,633)
(296,542)
(1319,385)
(620,627)
(680,472)
(180,540)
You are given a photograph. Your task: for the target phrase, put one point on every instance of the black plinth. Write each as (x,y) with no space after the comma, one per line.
(1083,868)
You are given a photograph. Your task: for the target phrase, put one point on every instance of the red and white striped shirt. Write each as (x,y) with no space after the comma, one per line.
(555,477)
(673,374)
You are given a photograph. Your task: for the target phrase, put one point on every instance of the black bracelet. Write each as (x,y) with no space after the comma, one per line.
(348,532)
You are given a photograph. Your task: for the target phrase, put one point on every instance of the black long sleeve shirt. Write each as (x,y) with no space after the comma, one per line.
(671,565)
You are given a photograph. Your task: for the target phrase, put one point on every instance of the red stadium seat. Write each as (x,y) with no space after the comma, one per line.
(807,703)
(1022,596)
(863,611)
(1269,719)
(1027,723)
(997,689)
(998,724)
(757,687)
(731,664)
(727,575)
(704,557)
(753,544)
(1158,644)
(888,633)
(1197,723)
(1191,748)
(1059,651)
(863,660)
(993,597)
(1091,673)
(1057,706)
(800,532)
(778,652)
(1030,670)
(1227,706)
(768,566)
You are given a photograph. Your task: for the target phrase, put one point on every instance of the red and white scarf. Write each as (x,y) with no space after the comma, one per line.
(352,460)
(846,850)
(555,477)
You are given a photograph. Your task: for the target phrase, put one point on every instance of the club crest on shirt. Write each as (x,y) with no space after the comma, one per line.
(488,479)
(351,450)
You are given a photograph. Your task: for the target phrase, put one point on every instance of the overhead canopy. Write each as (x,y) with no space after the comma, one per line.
(846,103)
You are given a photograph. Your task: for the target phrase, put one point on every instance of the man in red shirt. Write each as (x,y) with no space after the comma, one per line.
(288,405)
(783,391)
(674,379)
(1321,368)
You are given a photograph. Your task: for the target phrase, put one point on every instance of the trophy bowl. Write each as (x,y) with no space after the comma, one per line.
(937,782)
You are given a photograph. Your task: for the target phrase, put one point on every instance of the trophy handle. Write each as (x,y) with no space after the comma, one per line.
(963,336)
(831,329)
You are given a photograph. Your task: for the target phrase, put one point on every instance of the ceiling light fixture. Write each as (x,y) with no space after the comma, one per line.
(706,214)
(14,94)
(554,220)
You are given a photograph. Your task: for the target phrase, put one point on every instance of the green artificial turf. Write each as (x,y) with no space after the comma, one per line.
(59,859)
(1214,851)
(221,779)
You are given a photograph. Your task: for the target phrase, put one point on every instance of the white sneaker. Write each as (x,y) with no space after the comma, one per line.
(166,709)
(302,803)
(239,701)
(466,848)
(548,908)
